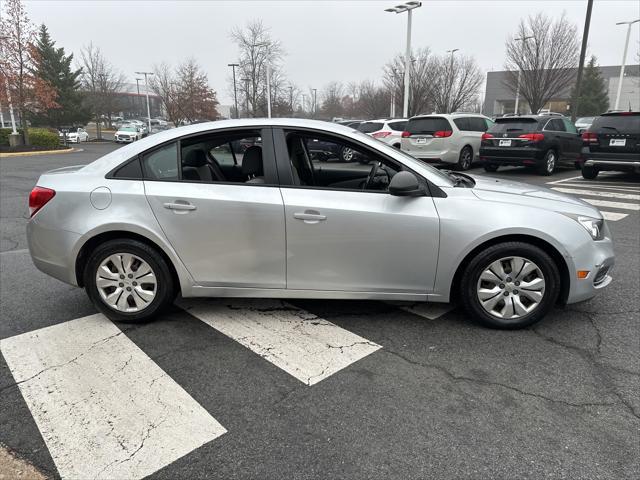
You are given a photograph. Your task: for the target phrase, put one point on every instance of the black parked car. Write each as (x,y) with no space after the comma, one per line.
(543,142)
(612,143)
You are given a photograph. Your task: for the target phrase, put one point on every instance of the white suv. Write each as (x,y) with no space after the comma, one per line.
(447,138)
(386,130)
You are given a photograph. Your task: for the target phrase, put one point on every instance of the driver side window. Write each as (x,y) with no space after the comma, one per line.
(329,162)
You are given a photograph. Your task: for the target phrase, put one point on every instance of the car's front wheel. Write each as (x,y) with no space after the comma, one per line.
(128,280)
(510,285)
(589,173)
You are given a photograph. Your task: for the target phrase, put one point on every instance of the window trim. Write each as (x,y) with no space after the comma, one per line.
(284,167)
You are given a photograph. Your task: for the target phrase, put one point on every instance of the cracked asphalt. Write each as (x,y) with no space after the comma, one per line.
(442,398)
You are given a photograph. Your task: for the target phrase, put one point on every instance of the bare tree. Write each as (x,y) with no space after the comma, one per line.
(373,101)
(546,61)
(331,98)
(457,83)
(257,50)
(102,81)
(424,70)
(163,84)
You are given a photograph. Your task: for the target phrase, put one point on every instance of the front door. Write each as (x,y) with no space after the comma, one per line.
(350,234)
(228,232)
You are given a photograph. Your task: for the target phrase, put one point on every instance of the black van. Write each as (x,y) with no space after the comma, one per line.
(539,141)
(612,142)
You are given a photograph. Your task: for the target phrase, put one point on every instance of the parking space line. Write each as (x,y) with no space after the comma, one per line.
(427,310)
(602,187)
(613,216)
(103,407)
(305,346)
(591,193)
(619,205)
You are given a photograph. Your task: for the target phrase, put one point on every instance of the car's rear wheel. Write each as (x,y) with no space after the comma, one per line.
(548,164)
(490,167)
(347,154)
(465,159)
(510,285)
(589,173)
(128,280)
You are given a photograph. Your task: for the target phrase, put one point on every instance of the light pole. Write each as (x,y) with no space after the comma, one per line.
(406,7)
(624,59)
(523,40)
(138,99)
(315,102)
(235,90)
(575,101)
(146,87)
(268,70)
(246,94)
(304,104)
(291,99)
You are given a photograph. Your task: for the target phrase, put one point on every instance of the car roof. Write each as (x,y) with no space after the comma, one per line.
(448,115)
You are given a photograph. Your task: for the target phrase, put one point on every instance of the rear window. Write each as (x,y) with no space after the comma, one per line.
(369,127)
(617,123)
(504,125)
(398,126)
(427,125)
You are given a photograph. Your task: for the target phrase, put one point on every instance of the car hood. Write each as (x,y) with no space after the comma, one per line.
(494,189)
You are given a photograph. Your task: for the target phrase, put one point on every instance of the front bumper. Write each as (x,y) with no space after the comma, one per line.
(599,259)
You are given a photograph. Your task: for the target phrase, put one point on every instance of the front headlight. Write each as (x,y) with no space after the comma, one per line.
(595,226)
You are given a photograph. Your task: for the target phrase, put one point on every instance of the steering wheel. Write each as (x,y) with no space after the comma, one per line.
(372,175)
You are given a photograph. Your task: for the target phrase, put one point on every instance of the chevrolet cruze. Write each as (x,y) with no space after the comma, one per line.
(187,211)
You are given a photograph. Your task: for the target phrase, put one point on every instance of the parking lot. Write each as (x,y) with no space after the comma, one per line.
(323,388)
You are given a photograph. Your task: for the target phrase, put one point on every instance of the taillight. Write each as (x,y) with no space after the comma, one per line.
(406,134)
(380,134)
(486,136)
(442,133)
(533,137)
(590,138)
(38,198)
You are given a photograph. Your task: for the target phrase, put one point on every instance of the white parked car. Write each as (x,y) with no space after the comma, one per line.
(446,138)
(76,135)
(128,133)
(386,130)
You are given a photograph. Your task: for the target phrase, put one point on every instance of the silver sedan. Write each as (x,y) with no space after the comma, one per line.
(244,208)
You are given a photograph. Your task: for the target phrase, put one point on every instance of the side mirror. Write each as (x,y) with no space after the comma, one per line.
(405,184)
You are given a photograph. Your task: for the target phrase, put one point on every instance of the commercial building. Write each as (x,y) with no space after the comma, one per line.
(500,99)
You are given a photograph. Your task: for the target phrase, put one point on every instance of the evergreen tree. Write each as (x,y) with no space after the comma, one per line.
(594,96)
(54,67)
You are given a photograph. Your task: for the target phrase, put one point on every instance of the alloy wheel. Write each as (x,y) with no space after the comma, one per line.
(465,159)
(347,154)
(126,282)
(551,162)
(511,287)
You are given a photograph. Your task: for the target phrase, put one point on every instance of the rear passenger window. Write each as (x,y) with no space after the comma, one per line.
(162,164)
(130,170)
(477,124)
(462,124)
(398,126)
(555,125)
(570,127)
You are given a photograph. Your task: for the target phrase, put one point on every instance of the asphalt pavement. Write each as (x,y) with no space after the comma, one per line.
(416,392)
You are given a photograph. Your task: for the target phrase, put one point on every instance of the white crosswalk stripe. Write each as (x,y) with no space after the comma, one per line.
(103,407)
(300,343)
(611,195)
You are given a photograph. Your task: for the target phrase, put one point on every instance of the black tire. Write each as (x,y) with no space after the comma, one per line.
(165,288)
(589,173)
(465,159)
(471,276)
(490,167)
(549,162)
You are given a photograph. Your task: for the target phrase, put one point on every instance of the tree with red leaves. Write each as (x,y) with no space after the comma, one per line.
(18,61)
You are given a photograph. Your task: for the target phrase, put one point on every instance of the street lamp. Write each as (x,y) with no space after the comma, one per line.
(146,87)
(138,99)
(246,94)
(235,91)
(315,103)
(624,59)
(406,7)
(523,40)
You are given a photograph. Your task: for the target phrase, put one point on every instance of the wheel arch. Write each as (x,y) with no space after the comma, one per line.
(548,248)
(91,243)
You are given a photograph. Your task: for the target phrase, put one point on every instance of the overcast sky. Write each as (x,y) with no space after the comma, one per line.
(324,40)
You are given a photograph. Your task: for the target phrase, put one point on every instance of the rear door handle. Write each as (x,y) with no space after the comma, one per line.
(179,206)
(310,216)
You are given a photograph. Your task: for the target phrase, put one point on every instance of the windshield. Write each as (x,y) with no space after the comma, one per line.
(369,127)
(128,129)
(585,120)
(427,125)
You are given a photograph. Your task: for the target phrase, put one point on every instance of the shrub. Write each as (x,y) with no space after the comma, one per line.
(4,136)
(43,137)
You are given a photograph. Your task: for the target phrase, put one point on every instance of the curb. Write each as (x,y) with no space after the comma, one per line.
(41,152)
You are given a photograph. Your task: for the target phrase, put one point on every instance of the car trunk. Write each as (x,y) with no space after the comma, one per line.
(508,132)
(428,134)
(616,133)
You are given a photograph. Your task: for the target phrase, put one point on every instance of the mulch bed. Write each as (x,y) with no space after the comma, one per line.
(30,148)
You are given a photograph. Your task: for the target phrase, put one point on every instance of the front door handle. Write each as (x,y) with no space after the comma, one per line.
(179,206)
(310,216)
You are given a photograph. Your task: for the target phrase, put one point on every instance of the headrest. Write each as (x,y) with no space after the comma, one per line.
(252,161)
(195,158)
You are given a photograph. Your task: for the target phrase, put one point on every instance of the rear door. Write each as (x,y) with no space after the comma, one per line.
(427,135)
(227,232)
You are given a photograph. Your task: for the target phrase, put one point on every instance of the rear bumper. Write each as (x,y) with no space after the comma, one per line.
(437,157)
(511,156)
(618,161)
(51,250)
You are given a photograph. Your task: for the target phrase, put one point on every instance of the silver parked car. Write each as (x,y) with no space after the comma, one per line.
(238,208)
